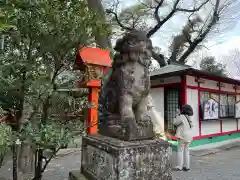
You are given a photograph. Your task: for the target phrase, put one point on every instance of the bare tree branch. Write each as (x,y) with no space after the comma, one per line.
(156,12)
(194,9)
(159,58)
(118,21)
(159,24)
(201,37)
(238,67)
(187,37)
(48,160)
(171,14)
(145,4)
(183,40)
(202,45)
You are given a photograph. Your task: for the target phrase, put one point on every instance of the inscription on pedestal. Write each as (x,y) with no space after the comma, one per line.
(106,158)
(145,163)
(98,163)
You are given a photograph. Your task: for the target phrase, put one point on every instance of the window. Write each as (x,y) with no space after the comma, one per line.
(204,96)
(227,105)
(223,105)
(172,106)
(231,105)
(211,109)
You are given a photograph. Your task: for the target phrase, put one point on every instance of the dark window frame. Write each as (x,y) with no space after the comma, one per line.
(170,106)
(203,101)
(230,107)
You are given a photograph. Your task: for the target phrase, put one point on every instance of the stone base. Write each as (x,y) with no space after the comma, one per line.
(76,175)
(126,134)
(106,158)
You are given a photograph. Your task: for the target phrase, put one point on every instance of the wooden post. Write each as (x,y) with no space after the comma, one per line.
(183,91)
(92,124)
(94,62)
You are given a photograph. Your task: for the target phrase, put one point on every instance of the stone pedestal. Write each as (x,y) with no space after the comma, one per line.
(75,175)
(106,158)
(111,128)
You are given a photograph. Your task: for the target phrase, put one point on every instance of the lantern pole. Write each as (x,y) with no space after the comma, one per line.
(93,111)
(87,60)
(93,95)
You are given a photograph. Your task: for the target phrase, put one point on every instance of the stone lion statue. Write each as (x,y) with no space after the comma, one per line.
(126,93)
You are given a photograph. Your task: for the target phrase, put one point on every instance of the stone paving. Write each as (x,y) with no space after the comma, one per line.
(221,166)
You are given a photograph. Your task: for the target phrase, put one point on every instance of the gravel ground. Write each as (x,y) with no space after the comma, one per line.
(221,166)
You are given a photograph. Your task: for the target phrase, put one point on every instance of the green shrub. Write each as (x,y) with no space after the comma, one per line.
(5,141)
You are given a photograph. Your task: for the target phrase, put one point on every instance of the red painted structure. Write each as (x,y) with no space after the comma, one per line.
(200,75)
(90,60)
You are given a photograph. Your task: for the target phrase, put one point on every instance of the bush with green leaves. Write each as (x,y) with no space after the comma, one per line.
(5,141)
(37,54)
(51,135)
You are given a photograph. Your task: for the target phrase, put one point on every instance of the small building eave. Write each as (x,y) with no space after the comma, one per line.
(208,75)
(170,70)
(178,70)
(176,73)
(93,56)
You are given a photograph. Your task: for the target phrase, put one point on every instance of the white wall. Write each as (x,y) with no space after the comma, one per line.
(210,127)
(158,102)
(191,81)
(238,89)
(229,125)
(227,87)
(209,84)
(192,100)
(238,99)
(167,80)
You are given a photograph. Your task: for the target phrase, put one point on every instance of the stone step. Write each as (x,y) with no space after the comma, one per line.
(76,175)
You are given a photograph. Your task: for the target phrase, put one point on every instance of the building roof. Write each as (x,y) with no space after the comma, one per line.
(178,69)
(96,56)
(170,69)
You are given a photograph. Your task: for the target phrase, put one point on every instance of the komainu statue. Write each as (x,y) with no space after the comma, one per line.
(125,96)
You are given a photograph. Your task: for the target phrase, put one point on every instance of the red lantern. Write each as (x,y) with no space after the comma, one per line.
(92,63)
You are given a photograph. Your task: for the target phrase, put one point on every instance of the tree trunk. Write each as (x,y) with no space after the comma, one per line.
(39,152)
(2,42)
(103,41)
(26,159)
(16,125)
(203,35)
(38,168)
(15,164)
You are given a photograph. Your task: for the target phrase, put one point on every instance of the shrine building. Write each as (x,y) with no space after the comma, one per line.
(215,101)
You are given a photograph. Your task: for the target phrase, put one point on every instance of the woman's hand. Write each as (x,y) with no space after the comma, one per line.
(178,112)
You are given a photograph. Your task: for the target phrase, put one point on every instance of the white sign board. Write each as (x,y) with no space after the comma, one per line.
(210,110)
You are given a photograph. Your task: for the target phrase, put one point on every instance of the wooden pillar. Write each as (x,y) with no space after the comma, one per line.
(184,90)
(92,124)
